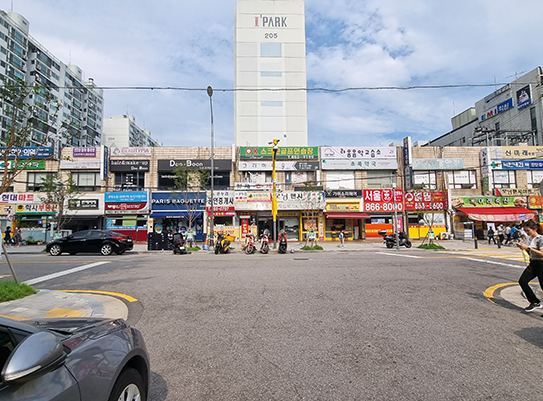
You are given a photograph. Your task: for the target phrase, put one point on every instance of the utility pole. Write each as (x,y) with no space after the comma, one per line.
(212,222)
(274,194)
(395,225)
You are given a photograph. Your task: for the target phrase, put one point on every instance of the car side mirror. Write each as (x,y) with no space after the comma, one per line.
(39,353)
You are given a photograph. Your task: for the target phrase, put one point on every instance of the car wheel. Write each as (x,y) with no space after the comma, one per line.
(55,250)
(106,249)
(128,387)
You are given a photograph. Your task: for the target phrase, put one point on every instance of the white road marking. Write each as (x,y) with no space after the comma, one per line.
(63,273)
(493,263)
(398,254)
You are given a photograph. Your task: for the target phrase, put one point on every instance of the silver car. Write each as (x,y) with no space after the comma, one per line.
(72,359)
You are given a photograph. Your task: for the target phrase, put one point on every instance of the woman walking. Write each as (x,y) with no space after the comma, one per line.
(535,268)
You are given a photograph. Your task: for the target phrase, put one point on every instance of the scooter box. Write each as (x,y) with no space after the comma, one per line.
(230,238)
(382,232)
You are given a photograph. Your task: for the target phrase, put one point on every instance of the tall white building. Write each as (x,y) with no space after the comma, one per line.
(23,57)
(270,73)
(121,131)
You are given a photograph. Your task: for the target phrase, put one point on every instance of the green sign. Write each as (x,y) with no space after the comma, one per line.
(288,152)
(33,165)
(489,201)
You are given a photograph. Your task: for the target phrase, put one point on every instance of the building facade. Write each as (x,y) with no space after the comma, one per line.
(270,100)
(121,131)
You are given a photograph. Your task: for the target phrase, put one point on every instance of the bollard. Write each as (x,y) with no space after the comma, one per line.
(475,241)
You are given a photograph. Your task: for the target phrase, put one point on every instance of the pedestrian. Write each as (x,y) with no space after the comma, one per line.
(491,235)
(515,234)
(535,267)
(341,239)
(501,234)
(7,236)
(190,238)
(18,236)
(507,234)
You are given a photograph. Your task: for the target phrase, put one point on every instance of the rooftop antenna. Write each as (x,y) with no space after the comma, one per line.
(11,7)
(516,75)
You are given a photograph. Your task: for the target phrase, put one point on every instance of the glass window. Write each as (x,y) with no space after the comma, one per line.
(257,177)
(271,74)
(270,49)
(271,104)
(463,179)
(534,178)
(34,181)
(87,181)
(129,181)
(504,179)
(424,180)
(340,180)
(377,179)
(294,178)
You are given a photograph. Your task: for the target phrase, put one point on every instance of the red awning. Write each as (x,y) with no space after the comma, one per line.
(498,213)
(347,215)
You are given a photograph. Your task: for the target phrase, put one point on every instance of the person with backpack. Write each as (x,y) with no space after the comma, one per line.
(7,236)
(490,235)
(515,234)
(535,267)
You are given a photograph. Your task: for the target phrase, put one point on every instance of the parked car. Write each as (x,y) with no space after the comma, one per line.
(104,241)
(72,359)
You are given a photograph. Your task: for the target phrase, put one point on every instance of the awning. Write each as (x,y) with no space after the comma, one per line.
(174,214)
(498,213)
(347,215)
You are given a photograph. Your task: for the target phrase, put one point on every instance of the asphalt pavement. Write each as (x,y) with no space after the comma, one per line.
(49,303)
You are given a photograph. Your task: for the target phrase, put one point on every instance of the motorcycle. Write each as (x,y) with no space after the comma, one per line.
(390,240)
(222,245)
(282,242)
(178,244)
(249,246)
(264,243)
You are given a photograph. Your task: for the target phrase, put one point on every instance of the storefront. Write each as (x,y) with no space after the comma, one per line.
(344,212)
(300,212)
(127,213)
(254,210)
(380,205)
(473,214)
(85,212)
(221,171)
(29,212)
(426,210)
(177,211)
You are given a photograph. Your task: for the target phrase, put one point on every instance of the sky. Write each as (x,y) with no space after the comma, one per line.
(349,43)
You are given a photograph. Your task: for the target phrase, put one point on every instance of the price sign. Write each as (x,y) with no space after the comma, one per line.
(383,200)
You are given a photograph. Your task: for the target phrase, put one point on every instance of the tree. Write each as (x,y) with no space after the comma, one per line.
(186,181)
(30,115)
(61,195)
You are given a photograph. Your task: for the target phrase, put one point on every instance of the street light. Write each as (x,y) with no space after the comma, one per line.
(212,223)
(395,225)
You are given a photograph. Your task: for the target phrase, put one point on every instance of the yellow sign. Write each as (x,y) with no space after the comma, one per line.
(521,152)
(343,207)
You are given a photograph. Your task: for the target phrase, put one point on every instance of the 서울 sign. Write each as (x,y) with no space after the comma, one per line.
(383,200)
(425,200)
(358,152)
(289,152)
(488,201)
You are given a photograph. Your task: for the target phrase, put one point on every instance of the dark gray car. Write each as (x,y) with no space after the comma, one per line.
(81,359)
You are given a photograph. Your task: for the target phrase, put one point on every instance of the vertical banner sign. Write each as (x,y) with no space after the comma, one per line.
(407,151)
(104,162)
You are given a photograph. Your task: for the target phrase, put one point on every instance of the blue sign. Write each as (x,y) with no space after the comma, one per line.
(178,201)
(521,165)
(126,197)
(27,152)
(504,106)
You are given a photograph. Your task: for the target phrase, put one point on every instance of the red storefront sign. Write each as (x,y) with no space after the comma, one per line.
(126,206)
(381,200)
(426,200)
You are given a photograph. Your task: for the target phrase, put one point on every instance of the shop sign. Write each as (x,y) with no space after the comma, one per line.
(524,97)
(7,210)
(223,201)
(28,152)
(535,202)
(310,153)
(80,164)
(36,209)
(301,201)
(517,152)
(265,165)
(438,164)
(351,164)
(253,197)
(337,193)
(131,151)
(195,164)
(500,108)
(20,198)
(358,152)
(124,197)
(175,201)
(21,164)
(253,186)
(382,200)
(132,207)
(343,207)
(84,152)
(517,192)
(129,165)
(425,200)
(489,201)
(83,204)
(517,165)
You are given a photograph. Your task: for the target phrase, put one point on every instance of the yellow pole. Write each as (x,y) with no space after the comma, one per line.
(274,194)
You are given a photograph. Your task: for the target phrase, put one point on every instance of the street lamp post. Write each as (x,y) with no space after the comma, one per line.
(395,225)
(274,195)
(212,222)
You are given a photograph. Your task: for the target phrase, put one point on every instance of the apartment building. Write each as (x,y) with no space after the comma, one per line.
(121,131)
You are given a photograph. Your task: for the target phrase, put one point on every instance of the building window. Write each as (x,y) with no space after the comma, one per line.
(340,180)
(257,177)
(270,49)
(125,181)
(464,179)
(533,119)
(299,178)
(534,178)
(87,181)
(271,104)
(271,74)
(424,180)
(34,181)
(504,179)
(377,179)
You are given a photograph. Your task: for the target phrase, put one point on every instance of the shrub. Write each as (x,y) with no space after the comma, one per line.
(10,290)
(430,246)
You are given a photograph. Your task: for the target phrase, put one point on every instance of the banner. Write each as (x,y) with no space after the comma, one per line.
(489,201)
(425,200)
(381,200)
(306,152)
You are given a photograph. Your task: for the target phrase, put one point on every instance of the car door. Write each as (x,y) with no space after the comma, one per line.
(76,242)
(94,240)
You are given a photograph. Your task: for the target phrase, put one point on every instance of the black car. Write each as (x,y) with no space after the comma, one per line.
(104,241)
(71,359)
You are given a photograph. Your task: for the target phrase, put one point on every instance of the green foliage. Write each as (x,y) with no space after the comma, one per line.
(430,246)
(9,290)
(190,180)
(312,248)
(61,193)
(194,249)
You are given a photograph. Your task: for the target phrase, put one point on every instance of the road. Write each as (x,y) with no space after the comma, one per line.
(376,325)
